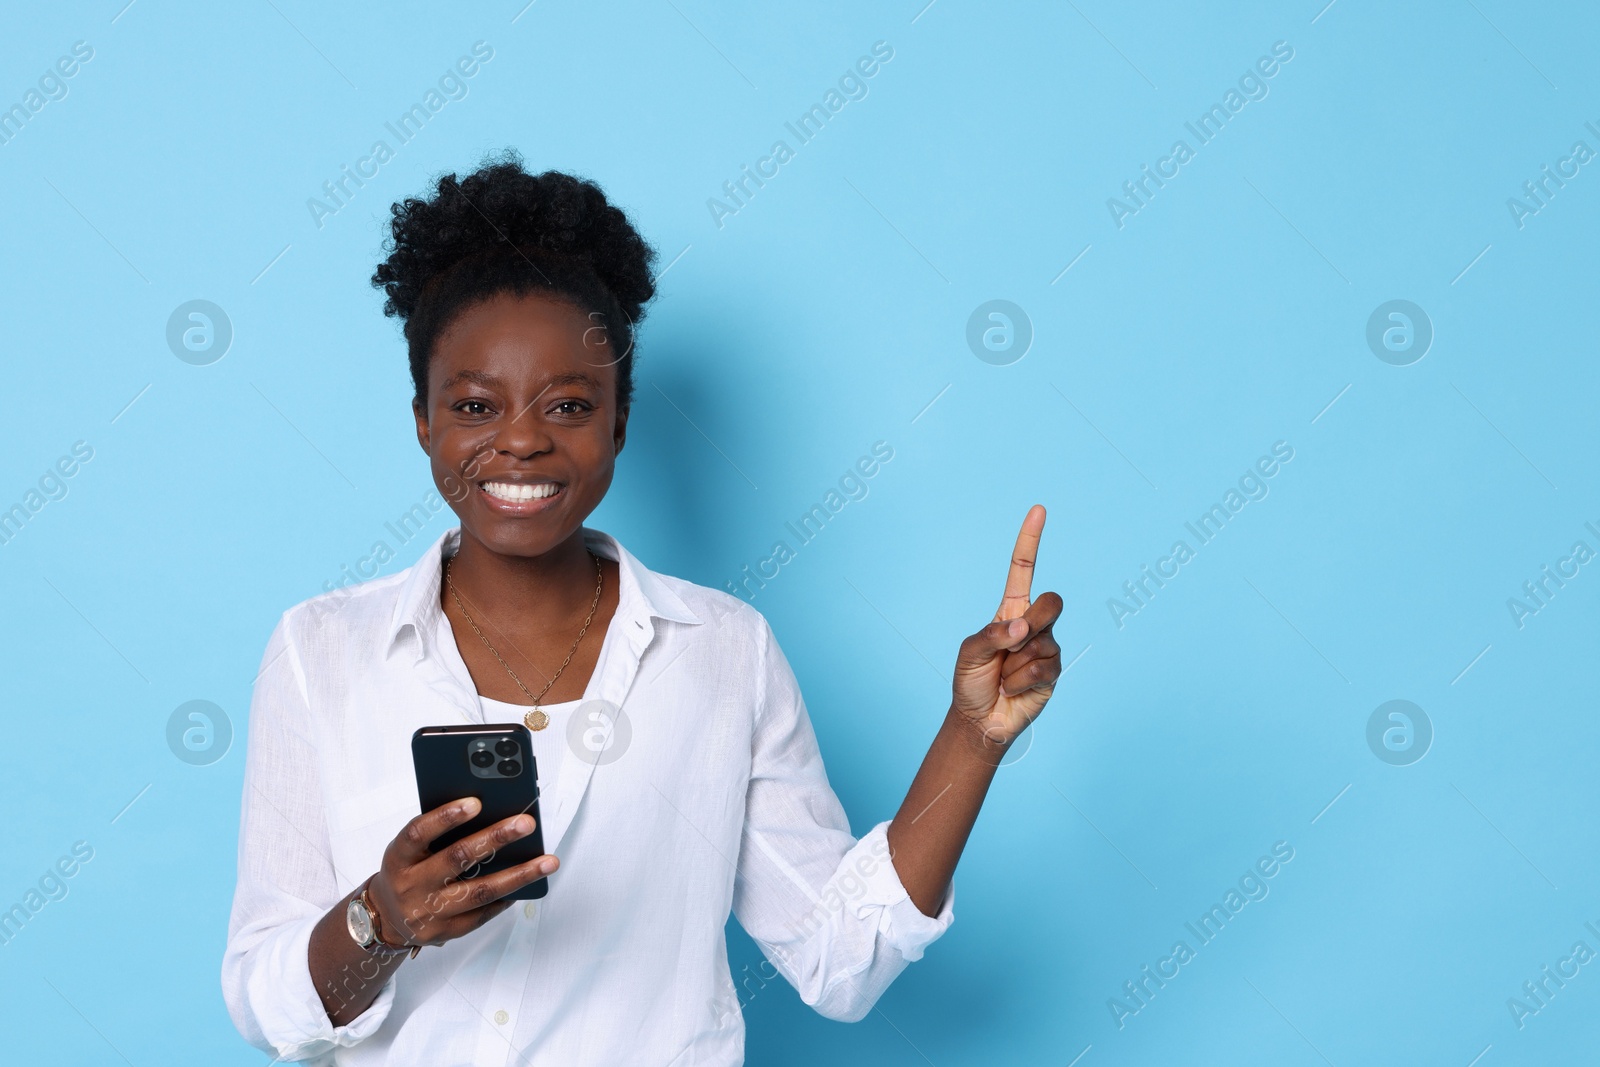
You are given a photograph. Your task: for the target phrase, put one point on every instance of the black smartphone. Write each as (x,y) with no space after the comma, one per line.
(495,764)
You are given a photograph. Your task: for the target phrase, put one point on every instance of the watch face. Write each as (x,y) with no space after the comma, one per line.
(359,922)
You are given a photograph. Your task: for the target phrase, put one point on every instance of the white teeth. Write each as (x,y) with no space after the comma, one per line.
(519,491)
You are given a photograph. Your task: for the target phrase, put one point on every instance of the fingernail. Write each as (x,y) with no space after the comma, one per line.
(471,806)
(524,824)
(546,866)
(1018,627)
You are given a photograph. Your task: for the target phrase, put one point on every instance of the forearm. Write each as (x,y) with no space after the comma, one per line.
(931,828)
(347,977)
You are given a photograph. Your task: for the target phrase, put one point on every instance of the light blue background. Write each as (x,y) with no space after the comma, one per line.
(824,316)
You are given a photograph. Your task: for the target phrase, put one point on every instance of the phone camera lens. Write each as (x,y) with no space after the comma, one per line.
(510,768)
(505,747)
(482,758)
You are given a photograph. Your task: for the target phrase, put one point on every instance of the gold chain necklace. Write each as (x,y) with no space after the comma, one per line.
(535,719)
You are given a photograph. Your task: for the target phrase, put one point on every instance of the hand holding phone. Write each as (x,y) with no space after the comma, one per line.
(467,858)
(423,896)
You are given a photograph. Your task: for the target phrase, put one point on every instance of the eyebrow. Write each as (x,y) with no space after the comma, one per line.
(491,381)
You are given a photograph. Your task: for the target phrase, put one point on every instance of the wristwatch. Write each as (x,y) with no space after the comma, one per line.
(361,918)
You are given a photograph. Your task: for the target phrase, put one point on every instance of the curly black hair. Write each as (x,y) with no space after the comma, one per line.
(501,229)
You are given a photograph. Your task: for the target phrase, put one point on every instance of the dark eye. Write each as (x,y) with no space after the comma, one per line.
(466,404)
(572,407)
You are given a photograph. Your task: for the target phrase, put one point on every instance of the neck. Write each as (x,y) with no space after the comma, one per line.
(523,591)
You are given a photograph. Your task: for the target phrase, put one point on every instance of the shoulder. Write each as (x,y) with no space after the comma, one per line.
(720,613)
(725,626)
(731,646)
(352,612)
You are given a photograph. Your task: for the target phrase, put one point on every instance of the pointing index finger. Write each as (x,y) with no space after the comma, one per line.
(1019,580)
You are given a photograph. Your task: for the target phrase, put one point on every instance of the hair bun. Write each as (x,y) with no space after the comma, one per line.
(502,207)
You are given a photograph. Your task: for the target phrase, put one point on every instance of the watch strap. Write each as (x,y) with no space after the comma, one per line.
(378,942)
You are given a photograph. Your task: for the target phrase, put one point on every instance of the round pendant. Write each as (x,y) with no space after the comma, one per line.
(536,719)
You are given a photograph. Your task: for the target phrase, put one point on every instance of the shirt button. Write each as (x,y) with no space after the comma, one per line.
(529,909)
(501,1017)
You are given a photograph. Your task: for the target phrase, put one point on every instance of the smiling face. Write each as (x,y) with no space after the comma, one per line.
(521,421)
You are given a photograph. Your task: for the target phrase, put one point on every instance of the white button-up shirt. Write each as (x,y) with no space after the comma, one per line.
(695,787)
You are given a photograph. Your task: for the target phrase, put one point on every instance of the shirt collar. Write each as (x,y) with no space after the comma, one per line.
(642,593)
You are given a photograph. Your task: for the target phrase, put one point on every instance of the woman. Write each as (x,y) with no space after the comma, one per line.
(707,793)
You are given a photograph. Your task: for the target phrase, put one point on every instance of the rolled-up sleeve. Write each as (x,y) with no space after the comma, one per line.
(286,880)
(828,910)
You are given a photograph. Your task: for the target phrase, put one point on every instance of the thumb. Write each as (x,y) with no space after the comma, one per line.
(998,637)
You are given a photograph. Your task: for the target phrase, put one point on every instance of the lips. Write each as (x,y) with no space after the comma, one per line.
(520,497)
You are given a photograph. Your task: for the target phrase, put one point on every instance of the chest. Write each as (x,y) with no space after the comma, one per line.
(674,757)
(527,660)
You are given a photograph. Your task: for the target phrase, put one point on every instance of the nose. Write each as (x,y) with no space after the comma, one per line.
(523,433)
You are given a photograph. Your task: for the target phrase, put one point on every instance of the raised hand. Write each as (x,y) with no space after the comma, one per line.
(1006,671)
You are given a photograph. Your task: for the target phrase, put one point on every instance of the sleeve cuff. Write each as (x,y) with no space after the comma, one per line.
(900,921)
(299,1028)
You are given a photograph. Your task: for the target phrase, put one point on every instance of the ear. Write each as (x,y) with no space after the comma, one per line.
(619,430)
(423,437)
